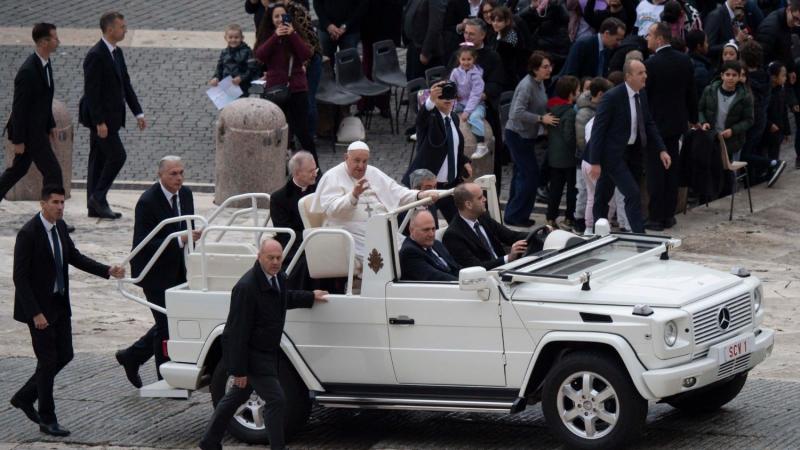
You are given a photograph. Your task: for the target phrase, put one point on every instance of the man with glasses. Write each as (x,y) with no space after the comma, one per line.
(31,126)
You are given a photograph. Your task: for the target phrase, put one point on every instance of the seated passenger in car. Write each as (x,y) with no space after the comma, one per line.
(422,257)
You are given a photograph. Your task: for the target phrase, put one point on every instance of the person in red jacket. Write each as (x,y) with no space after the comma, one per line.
(284,55)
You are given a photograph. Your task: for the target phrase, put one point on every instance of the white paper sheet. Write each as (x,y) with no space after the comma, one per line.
(224,92)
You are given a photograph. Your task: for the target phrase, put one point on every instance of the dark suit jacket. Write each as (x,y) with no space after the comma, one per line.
(32,111)
(284,213)
(422,25)
(719,30)
(455,13)
(252,336)
(106,89)
(35,272)
(671,91)
(418,265)
(583,58)
(152,208)
(431,144)
(612,128)
(462,242)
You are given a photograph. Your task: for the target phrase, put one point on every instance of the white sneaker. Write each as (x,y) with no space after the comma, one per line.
(480,151)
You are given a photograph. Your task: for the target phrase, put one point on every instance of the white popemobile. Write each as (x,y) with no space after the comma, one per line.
(592,327)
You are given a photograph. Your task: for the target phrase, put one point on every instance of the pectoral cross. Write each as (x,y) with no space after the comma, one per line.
(369,210)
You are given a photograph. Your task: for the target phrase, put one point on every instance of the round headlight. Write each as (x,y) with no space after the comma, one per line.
(670,333)
(757,297)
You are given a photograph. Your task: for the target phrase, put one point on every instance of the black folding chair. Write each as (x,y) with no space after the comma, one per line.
(435,74)
(386,70)
(330,93)
(350,76)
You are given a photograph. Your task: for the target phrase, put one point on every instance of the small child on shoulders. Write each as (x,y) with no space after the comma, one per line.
(469,80)
(236,60)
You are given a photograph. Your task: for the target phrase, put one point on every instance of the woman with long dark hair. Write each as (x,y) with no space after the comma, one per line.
(510,44)
(284,54)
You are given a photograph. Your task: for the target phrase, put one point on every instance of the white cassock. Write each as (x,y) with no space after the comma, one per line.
(334,197)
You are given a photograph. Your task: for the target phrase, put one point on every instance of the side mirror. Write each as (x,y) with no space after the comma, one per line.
(475,279)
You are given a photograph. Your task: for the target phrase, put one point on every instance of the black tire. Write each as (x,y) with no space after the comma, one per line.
(298,403)
(710,399)
(627,408)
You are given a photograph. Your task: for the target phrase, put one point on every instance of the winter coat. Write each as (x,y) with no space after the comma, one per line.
(237,62)
(703,72)
(470,87)
(586,111)
(275,55)
(777,113)
(561,138)
(740,114)
(549,29)
(775,37)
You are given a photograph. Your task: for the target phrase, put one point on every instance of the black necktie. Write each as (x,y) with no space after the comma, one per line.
(174,202)
(437,260)
(640,131)
(48,73)
(451,159)
(275,284)
(601,63)
(59,261)
(484,241)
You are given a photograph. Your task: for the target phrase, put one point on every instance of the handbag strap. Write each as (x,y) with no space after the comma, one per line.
(289,73)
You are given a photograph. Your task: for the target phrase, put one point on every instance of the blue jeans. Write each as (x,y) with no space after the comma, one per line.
(330,47)
(524,180)
(475,119)
(313,74)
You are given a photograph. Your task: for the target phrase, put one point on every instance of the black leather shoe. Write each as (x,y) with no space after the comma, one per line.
(102,211)
(26,408)
(93,213)
(131,369)
(654,226)
(53,429)
(669,223)
(208,446)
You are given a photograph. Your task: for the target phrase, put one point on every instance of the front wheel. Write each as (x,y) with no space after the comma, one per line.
(247,424)
(711,399)
(590,402)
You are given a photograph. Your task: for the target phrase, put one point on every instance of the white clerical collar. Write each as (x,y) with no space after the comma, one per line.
(111,47)
(167,193)
(302,189)
(43,60)
(663,47)
(47,224)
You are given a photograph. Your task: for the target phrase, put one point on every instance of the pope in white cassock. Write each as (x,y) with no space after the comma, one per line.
(352,192)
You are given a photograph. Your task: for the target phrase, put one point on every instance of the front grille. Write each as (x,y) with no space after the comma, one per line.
(733,366)
(706,323)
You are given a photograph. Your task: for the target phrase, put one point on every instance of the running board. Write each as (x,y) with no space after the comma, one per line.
(162,389)
(415,404)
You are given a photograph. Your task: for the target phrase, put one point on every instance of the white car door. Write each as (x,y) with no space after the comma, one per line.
(439,334)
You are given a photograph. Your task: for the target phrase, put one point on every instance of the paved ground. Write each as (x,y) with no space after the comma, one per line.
(100,409)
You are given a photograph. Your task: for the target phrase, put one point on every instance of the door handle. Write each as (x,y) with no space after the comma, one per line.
(402,320)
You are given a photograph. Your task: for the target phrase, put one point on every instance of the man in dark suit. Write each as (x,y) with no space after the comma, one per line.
(623,131)
(474,238)
(163,200)
(251,343)
(721,26)
(31,125)
(107,87)
(422,257)
(590,56)
(673,105)
(42,255)
(440,146)
(421,180)
(422,34)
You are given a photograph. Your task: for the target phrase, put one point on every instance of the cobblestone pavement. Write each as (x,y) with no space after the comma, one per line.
(97,404)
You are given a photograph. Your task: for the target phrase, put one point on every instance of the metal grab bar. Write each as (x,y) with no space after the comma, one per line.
(351,254)
(253,197)
(189,246)
(259,230)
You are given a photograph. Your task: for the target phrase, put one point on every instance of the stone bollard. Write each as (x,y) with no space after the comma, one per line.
(30,186)
(251,140)
(485,165)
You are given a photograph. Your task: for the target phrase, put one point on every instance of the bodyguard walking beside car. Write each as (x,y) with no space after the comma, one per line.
(43,253)
(251,343)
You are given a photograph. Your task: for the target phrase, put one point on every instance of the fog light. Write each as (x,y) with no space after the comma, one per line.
(689,382)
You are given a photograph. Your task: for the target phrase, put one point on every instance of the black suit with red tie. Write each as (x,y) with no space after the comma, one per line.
(41,285)
(30,124)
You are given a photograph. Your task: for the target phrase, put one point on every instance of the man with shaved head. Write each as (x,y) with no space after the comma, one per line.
(251,343)
(422,257)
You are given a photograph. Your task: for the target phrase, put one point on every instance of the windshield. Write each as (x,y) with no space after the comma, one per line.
(590,260)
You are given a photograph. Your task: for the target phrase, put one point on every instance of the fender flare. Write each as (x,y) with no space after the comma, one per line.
(618,343)
(289,350)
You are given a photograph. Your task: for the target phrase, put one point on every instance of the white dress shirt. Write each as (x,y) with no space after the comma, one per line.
(47,228)
(169,196)
(632,102)
(45,62)
(441,176)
